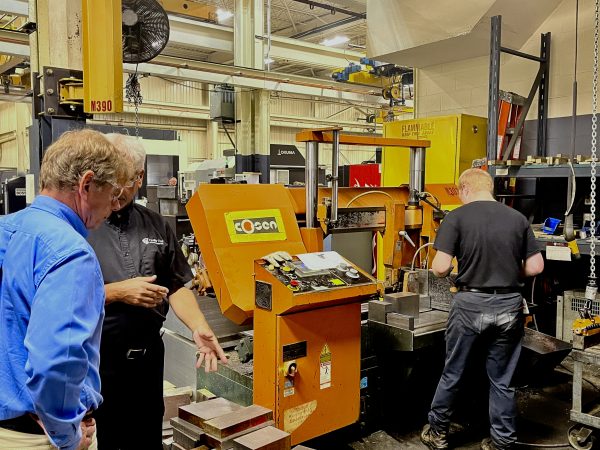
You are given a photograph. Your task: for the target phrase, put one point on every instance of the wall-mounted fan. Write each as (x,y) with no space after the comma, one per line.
(145,30)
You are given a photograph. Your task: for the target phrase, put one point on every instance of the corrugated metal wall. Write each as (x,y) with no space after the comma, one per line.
(183,106)
(14,120)
(174,91)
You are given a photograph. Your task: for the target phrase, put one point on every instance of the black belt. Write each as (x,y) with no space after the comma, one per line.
(489,290)
(22,424)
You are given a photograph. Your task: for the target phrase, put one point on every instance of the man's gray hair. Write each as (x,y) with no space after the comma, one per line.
(131,146)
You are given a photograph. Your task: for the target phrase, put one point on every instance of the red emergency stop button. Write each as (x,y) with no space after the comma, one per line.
(294,283)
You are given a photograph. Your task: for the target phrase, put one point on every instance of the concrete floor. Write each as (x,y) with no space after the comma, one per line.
(543,418)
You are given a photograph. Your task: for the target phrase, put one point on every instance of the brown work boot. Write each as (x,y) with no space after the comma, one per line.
(488,444)
(432,439)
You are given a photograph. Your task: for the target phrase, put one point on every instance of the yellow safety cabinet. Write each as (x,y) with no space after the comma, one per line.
(455,142)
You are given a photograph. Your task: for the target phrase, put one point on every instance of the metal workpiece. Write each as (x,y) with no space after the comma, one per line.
(378,310)
(335,163)
(428,331)
(400,324)
(407,303)
(311,182)
(417,174)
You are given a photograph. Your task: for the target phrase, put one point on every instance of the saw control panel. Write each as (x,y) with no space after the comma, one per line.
(300,279)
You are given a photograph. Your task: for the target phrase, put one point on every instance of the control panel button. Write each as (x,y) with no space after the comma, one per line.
(294,283)
(352,273)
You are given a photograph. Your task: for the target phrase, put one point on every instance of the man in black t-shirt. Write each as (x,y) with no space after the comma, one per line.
(495,248)
(144,272)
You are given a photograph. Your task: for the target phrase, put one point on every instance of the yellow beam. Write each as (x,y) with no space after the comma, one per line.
(352,139)
(102,57)
(189,8)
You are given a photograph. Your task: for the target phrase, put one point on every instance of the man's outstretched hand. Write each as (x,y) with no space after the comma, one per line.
(209,350)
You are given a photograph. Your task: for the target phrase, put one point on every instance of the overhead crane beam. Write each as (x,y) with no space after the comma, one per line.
(164,66)
(205,36)
(14,43)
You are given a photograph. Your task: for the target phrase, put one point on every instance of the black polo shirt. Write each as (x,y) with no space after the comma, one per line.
(490,241)
(134,242)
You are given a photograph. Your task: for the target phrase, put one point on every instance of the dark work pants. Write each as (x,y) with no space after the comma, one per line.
(130,417)
(496,323)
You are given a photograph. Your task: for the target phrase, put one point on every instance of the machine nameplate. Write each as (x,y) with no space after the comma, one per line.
(255,226)
(101,105)
(263,295)
(294,351)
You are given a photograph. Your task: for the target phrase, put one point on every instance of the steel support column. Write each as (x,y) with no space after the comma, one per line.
(335,163)
(212,140)
(261,122)
(311,178)
(543,94)
(56,43)
(494,88)
(252,110)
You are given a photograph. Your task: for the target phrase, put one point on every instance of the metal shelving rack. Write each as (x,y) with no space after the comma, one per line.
(541,85)
(539,171)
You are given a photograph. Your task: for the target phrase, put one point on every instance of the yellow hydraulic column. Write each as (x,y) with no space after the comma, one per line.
(102,56)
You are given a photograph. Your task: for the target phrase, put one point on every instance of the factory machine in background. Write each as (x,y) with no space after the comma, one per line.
(307,371)
(314,355)
(307,316)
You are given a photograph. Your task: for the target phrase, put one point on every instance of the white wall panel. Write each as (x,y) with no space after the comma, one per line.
(462,86)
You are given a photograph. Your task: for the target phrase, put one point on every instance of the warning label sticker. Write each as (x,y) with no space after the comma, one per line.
(325,368)
(288,392)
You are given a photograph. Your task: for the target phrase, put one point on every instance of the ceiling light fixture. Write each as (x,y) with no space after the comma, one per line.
(335,41)
(223,15)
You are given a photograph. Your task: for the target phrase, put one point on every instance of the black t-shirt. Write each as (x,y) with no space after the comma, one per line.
(490,241)
(138,242)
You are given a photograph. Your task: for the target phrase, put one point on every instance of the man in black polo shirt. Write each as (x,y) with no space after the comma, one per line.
(495,248)
(144,272)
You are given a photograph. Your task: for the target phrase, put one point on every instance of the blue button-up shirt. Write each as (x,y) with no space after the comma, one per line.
(51,312)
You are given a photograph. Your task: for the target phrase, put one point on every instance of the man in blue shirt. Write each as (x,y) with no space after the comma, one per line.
(52,297)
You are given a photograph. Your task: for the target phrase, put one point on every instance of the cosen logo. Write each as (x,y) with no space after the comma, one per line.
(255,226)
(259,225)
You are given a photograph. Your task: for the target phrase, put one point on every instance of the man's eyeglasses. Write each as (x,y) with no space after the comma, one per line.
(118,189)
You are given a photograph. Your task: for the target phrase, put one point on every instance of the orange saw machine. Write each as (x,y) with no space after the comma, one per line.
(307,312)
